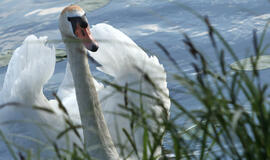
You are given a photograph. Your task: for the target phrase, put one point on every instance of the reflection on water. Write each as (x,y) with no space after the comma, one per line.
(145,21)
(22,18)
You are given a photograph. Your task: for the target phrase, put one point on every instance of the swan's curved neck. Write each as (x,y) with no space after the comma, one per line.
(96,134)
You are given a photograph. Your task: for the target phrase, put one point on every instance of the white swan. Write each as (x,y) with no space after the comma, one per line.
(119,57)
(27,129)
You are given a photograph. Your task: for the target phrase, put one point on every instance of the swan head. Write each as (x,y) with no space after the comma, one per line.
(73,24)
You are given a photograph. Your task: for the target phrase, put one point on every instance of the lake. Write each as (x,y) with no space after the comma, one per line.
(146,22)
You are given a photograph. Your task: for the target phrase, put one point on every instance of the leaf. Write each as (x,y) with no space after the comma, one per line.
(6,56)
(90,5)
(263,63)
(73,128)
(48,110)
(132,142)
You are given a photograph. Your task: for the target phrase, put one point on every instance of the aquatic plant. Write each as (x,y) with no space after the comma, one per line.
(233,118)
(231,123)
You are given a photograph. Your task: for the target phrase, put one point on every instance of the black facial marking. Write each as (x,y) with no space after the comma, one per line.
(81,20)
(83,33)
(83,24)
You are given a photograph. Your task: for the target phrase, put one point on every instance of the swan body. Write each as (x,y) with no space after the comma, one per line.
(119,57)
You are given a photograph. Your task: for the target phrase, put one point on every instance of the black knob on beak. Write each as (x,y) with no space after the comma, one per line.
(94,47)
(83,24)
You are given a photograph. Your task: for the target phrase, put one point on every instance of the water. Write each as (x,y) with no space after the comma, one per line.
(145,21)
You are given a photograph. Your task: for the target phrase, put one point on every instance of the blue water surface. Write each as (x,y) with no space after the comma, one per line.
(146,22)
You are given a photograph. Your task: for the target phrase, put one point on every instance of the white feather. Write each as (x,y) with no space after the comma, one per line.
(31,66)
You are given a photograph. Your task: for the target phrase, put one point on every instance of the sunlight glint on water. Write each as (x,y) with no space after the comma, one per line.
(145,21)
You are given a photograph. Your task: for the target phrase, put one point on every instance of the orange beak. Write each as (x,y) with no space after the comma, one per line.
(85,36)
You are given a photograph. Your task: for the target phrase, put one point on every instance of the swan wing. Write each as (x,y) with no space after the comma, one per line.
(31,66)
(127,63)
